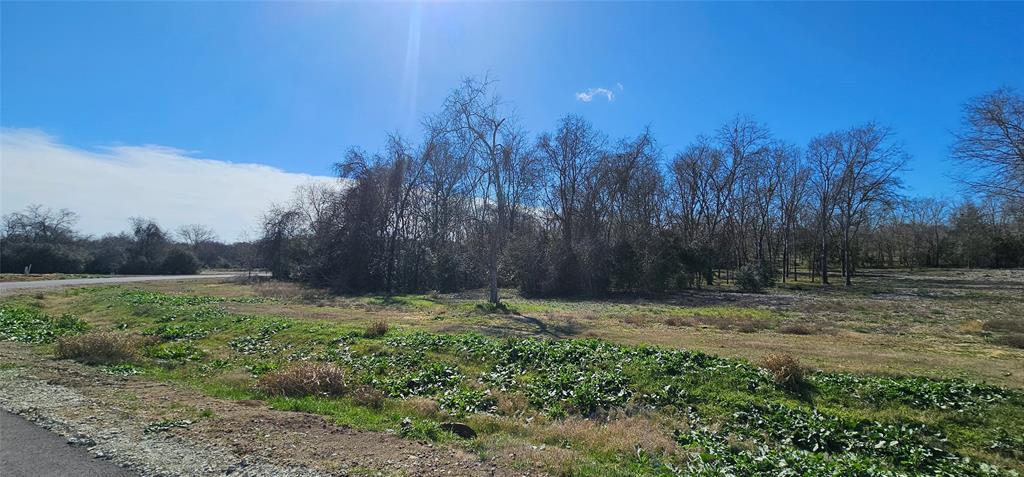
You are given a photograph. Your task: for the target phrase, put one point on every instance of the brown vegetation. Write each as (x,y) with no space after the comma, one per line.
(304,378)
(368,396)
(376,330)
(102,347)
(786,371)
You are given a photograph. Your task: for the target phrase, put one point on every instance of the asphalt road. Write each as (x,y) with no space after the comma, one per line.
(27,450)
(5,286)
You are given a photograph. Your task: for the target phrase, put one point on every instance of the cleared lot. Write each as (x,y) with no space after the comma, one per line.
(542,395)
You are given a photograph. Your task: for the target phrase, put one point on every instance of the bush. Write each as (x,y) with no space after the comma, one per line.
(102,347)
(180,262)
(43,257)
(304,378)
(755,278)
(376,330)
(786,371)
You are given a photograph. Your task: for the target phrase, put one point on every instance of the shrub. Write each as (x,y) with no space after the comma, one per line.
(102,347)
(748,280)
(786,370)
(180,262)
(368,396)
(304,378)
(376,330)
(755,277)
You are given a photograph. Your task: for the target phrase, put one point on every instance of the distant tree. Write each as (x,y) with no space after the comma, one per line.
(147,248)
(43,239)
(41,224)
(195,235)
(869,160)
(109,254)
(990,144)
(281,226)
(824,157)
(201,241)
(179,262)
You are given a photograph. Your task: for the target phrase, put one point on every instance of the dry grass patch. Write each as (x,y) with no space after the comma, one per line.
(635,320)
(368,396)
(786,370)
(376,330)
(618,435)
(677,321)
(972,327)
(553,460)
(304,378)
(425,407)
(512,404)
(101,347)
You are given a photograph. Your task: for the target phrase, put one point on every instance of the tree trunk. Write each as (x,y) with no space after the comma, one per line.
(824,255)
(847,271)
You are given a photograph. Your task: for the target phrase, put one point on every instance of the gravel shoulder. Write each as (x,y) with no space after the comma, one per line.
(159,429)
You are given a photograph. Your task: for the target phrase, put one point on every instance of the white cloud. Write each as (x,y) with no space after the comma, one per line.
(107,186)
(588,95)
(621,88)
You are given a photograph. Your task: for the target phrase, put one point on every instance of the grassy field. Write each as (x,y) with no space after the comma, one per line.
(906,373)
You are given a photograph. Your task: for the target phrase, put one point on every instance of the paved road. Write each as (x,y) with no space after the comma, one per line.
(4,286)
(27,450)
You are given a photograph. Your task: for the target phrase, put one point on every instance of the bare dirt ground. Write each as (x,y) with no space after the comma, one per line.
(136,423)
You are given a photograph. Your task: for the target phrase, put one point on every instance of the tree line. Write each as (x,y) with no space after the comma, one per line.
(43,240)
(479,202)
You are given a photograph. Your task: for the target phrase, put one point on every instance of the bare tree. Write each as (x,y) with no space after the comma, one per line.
(990,144)
(569,156)
(194,235)
(477,118)
(869,161)
(41,224)
(824,157)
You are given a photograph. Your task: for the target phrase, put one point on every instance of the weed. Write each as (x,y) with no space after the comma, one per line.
(178,352)
(304,378)
(166,425)
(30,325)
(785,370)
(122,369)
(376,330)
(101,347)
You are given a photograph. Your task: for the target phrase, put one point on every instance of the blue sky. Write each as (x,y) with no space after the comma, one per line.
(292,85)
